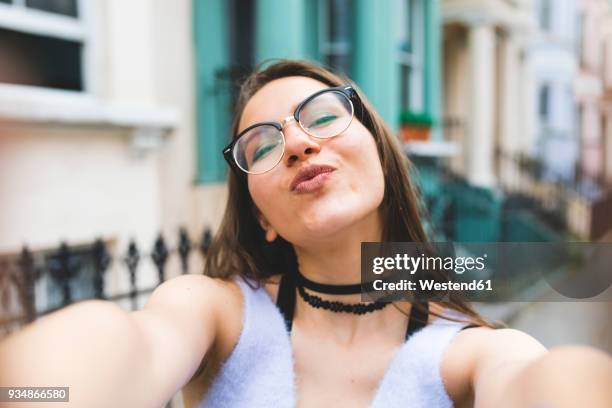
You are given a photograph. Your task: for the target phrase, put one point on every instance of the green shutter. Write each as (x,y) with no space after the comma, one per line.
(279,27)
(375,61)
(213,117)
(433,65)
(312,30)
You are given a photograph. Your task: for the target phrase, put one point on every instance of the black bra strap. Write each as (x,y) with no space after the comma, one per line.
(418,318)
(285,299)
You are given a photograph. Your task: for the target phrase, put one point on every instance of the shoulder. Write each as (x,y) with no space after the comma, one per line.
(211,304)
(483,352)
(271,286)
(196,292)
(487,346)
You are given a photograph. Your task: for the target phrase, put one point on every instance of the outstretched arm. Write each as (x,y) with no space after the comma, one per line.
(110,357)
(514,370)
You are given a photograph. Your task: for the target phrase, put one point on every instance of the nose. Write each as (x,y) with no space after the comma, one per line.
(299,145)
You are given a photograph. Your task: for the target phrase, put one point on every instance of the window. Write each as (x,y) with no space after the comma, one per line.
(336,34)
(567,120)
(241,39)
(411,54)
(544,14)
(64,7)
(544,104)
(43,43)
(579,121)
(580,36)
(604,62)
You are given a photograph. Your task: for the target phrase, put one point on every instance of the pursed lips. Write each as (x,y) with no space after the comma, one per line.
(309,173)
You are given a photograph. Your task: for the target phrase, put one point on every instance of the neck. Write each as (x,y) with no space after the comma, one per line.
(337,261)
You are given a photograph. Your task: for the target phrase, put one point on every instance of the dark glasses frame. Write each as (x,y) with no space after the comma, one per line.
(347,90)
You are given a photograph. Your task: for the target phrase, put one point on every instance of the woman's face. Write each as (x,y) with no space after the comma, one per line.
(350,193)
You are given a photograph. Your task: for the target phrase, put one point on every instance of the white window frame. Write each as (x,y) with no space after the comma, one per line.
(18,17)
(328,47)
(147,126)
(414,18)
(545,89)
(545,10)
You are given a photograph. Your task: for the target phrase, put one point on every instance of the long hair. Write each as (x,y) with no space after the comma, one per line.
(239,246)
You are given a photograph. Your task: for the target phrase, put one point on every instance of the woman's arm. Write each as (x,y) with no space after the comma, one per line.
(110,357)
(514,370)
(568,376)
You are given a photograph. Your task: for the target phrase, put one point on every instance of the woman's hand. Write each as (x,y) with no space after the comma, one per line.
(110,357)
(568,376)
(514,370)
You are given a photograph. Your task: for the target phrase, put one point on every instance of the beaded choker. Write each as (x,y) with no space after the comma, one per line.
(335,306)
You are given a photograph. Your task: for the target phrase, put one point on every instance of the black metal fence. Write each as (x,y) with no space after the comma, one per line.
(68,274)
(523,179)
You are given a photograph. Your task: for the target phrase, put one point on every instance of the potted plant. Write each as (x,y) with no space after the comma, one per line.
(415,126)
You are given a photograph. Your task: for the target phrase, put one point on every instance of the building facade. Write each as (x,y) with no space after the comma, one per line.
(484,82)
(96,128)
(552,62)
(593,93)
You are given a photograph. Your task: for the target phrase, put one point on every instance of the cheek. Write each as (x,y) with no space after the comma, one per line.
(361,154)
(266,194)
(258,191)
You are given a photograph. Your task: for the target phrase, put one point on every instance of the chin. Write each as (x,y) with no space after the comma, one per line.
(328,224)
(333,215)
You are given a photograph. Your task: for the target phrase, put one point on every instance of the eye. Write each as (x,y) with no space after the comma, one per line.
(322,120)
(262,151)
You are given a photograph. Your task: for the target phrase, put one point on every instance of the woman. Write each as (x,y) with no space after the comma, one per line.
(315,172)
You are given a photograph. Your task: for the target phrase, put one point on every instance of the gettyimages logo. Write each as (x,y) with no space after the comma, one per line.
(412,264)
(489,272)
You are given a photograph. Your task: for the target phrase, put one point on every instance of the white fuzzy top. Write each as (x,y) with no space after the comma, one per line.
(259,372)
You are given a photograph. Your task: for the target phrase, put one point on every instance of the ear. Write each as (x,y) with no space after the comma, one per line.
(271,233)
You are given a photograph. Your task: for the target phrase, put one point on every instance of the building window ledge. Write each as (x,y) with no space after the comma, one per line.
(147,124)
(431,148)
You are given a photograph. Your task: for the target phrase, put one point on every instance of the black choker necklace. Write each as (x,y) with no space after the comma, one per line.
(335,306)
(329,289)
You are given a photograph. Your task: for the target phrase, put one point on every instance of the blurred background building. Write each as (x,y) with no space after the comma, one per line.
(113,115)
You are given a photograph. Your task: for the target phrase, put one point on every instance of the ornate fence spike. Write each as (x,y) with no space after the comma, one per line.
(63,266)
(133,257)
(160,256)
(5,284)
(24,275)
(131,260)
(25,279)
(101,260)
(206,241)
(184,248)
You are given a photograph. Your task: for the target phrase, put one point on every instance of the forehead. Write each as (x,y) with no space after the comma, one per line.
(278,99)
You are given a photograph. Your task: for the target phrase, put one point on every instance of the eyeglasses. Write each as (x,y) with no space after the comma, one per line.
(324,114)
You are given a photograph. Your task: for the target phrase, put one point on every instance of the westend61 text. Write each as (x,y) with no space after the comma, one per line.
(430,284)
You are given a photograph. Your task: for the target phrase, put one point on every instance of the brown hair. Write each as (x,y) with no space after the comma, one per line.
(240,247)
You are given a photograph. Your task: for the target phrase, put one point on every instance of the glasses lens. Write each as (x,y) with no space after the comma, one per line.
(260,149)
(327,115)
